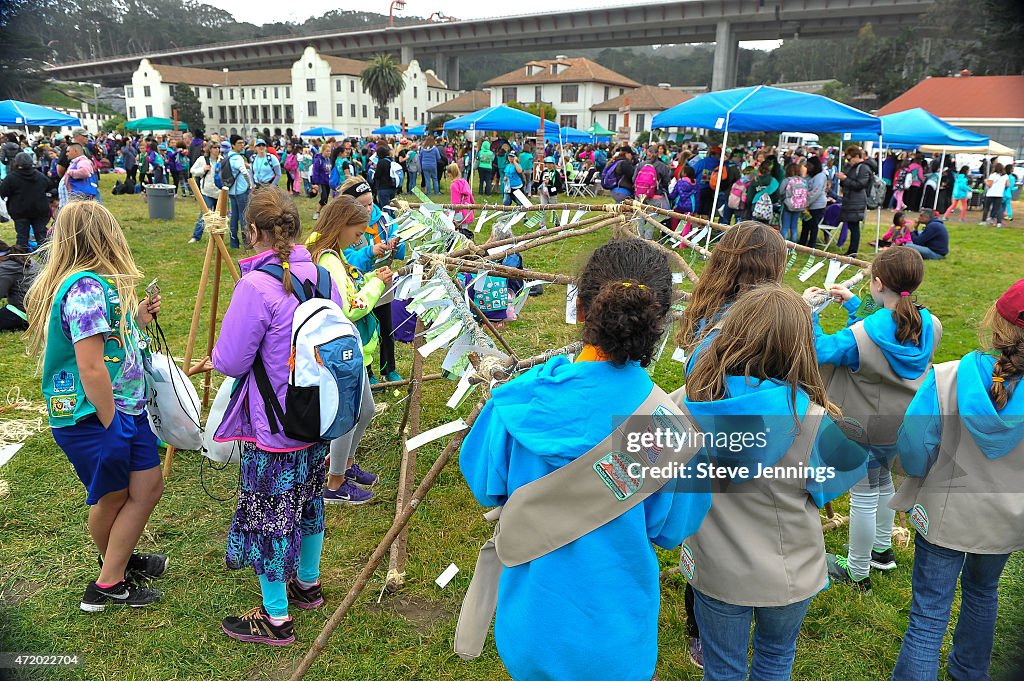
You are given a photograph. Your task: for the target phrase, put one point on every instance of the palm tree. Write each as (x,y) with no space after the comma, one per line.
(384,81)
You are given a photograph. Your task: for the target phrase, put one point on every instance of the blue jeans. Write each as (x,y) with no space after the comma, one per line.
(728,213)
(926,253)
(385,196)
(410,180)
(430,175)
(936,570)
(239,202)
(211,203)
(790,220)
(725,637)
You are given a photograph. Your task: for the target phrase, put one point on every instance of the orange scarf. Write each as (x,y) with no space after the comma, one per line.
(591,353)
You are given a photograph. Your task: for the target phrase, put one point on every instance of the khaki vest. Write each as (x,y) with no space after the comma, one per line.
(874,396)
(761,544)
(566,504)
(967,501)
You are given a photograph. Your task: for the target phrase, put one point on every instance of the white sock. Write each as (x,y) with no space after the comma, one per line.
(306,585)
(277,621)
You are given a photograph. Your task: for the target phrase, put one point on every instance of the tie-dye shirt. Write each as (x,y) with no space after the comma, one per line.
(83,313)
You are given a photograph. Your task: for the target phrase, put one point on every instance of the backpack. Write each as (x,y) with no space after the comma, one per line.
(492,295)
(600,157)
(397,174)
(876,191)
(325,385)
(216,175)
(716,177)
(796,195)
(738,193)
(335,179)
(646,183)
(608,177)
(763,209)
(902,181)
(225,173)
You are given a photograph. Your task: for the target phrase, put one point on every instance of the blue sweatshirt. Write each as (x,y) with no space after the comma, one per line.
(588,610)
(766,407)
(361,257)
(934,236)
(996,432)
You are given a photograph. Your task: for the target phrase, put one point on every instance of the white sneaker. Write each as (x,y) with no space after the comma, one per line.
(316,216)
(193,241)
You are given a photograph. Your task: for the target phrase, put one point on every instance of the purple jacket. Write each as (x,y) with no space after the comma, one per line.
(259,318)
(321,171)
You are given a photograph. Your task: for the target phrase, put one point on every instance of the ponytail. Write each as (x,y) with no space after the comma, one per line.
(901,270)
(908,319)
(273,213)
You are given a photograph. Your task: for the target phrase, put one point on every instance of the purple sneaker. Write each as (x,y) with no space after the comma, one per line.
(360,477)
(347,494)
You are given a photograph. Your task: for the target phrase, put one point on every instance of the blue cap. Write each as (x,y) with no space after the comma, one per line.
(162,147)
(225,147)
(549,159)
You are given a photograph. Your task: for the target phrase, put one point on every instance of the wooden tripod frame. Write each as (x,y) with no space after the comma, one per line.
(216,255)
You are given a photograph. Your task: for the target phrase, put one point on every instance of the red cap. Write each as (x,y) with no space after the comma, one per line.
(716,150)
(1011,304)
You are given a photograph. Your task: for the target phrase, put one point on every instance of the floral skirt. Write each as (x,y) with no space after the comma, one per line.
(280,501)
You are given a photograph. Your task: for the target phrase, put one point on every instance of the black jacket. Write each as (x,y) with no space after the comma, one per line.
(16,276)
(855,191)
(382,175)
(25,191)
(8,151)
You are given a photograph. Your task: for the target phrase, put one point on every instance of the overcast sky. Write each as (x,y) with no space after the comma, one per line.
(264,11)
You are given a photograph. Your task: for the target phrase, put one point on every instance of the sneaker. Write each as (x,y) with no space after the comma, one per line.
(883,560)
(839,571)
(255,627)
(316,216)
(144,566)
(360,477)
(393,376)
(696,653)
(96,598)
(374,380)
(193,240)
(308,598)
(347,494)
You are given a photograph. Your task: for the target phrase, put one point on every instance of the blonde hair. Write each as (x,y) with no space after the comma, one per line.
(997,334)
(453,171)
(335,216)
(767,335)
(86,238)
(351,182)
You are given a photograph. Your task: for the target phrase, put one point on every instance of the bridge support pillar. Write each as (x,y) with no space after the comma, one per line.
(406,54)
(441,67)
(452,73)
(727,47)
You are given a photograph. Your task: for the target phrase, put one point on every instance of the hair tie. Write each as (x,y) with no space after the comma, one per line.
(285,265)
(904,293)
(997,379)
(627,284)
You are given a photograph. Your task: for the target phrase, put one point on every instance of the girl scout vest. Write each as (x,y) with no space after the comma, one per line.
(62,386)
(546,514)
(874,397)
(967,501)
(761,544)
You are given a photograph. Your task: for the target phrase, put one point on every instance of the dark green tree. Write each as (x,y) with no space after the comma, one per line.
(436,123)
(384,81)
(20,52)
(550,113)
(189,108)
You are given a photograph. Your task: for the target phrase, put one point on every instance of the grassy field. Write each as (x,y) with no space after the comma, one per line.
(46,556)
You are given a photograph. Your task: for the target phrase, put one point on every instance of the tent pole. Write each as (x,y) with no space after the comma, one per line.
(878,216)
(472,157)
(942,164)
(721,166)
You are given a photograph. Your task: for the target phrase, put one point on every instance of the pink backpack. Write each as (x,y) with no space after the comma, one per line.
(646,184)
(738,193)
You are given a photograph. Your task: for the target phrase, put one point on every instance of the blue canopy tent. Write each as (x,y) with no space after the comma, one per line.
(13,112)
(499,118)
(387,130)
(418,131)
(568,134)
(766,109)
(322,132)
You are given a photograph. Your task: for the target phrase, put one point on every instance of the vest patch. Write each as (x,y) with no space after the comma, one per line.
(686,564)
(614,472)
(919,518)
(667,421)
(63,405)
(63,382)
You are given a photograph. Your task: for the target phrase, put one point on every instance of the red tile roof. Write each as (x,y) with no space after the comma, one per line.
(646,98)
(578,70)
(964,97)
(467,102)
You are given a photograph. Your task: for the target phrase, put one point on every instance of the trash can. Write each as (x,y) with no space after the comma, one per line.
(160,198)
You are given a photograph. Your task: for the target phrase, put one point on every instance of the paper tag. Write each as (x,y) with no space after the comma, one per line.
(445,338)
(804,276)
(516,219)
(519,196)
(447,576)
(577,215)
(8,451)
(699,236)
(458,350)
(677,277)
(499,249)
(480,222)
(460,391)
(571,293)
(418,193)
(679,355)
(429,436)
(563,219)
(835,268)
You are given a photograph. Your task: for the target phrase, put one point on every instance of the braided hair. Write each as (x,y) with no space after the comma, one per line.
(273,213)
(999,335)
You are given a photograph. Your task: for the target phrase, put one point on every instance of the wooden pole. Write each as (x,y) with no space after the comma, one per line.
(386,385)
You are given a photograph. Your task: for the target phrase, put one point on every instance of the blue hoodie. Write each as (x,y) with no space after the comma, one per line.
(907,360)
(996,433)
(589,609)
(765,407)
(362,257)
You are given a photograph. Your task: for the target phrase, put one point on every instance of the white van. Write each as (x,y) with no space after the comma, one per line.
(792,140)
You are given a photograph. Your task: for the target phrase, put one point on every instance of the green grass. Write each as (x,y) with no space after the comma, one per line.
(68,96)
(46,556)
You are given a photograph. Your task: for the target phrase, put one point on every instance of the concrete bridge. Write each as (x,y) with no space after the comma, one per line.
(723,22)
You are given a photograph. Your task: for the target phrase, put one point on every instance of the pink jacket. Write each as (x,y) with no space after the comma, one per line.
(463,193)
(901,237)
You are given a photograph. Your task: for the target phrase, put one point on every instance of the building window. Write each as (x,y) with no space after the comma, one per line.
(131,112)
(231,93)
(145,91)
(337,85)
(220,95)
(264,93)
(288,116)
(339,109)
(396,113)
(266,113)
(288,92)
(352,110)
(277,113)
(311,85)
(277,93)
(364,88)
(352,85)
(209,112)
(607,91)
(508,94)
(640,122)
(570,93)
(223,114)
(612,122)
(311,108)
(209,93)
(537,90)
(569,121)
(254,93)
(622,91)
(130,91)
(365,114)
(196,91)
(254,114)
(415,92)
(415,113)
(232,114)
(149,110)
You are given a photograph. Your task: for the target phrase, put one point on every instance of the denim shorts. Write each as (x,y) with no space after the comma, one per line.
(104,458)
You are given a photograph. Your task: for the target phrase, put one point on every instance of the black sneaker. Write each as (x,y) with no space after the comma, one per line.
(839,571)
(144,566)
(883,560)
(255,627)
(307,599)
(96,599)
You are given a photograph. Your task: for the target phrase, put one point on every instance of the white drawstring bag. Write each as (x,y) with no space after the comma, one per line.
(221,452)
(173,404)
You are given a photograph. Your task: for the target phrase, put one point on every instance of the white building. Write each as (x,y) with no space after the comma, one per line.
(641,104)
(91,120)
(318,91)
(571,85)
